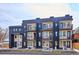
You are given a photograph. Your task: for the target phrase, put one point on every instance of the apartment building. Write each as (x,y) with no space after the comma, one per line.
(52,32)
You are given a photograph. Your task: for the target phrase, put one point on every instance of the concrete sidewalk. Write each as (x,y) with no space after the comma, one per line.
(76,50)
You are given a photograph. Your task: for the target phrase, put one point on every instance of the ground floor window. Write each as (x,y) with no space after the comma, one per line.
(29,43)
(65,44)
(50,44)
(45,43)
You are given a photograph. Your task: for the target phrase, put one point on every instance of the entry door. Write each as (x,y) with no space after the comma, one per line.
(68,44)
(19,41)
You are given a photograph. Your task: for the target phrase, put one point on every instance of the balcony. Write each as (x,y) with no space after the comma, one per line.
(66,27)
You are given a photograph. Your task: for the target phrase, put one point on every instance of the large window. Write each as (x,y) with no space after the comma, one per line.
(61,25)
(68,34)
(30,35)
(68,25)
(60,33)
(51,35)
(50,25)
(29,43)
(45,34)
(64,33)
(47,25)
(31,26)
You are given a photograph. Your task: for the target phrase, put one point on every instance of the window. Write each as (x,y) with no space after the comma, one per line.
(29,43)
(14,29)
(29,27)
(39,34)
(64,25)
(60,33)
(68,34)
(45,26)
(39,43)
(24,43)
(64,43)
(50,25)
(56,33)
(19,29)
(24,26)
(64,33)
(30,35)
(61,25)
(68,25)
(56,24)
(24,34)
(51,35)
(39,25)
(45,34)
(20,43)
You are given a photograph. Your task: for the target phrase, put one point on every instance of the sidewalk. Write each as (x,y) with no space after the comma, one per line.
(76,50)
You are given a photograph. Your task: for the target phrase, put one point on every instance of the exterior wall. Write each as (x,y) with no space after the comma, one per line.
(14,31)
(39,33)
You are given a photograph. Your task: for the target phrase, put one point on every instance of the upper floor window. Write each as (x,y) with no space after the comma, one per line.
(30,35)
(39,25)
(61,25)
(45,34)
(24,34)
(50,25)
(51,35)
(68,24)
(45,26)
(14,29)
(31,26)
(24,26)
(56,33)
(64,33)
(68,34)
(19,29)
(56,24)
(60,33)
(39,34)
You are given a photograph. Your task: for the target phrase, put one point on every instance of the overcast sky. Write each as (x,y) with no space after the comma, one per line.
(13,14)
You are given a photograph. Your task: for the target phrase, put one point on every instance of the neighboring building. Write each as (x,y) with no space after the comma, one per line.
(42,33)
(76,38)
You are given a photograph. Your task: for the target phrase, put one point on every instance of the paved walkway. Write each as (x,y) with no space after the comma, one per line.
(76,50)
(38,52)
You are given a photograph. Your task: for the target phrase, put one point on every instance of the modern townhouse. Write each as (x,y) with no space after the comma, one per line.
(53,32)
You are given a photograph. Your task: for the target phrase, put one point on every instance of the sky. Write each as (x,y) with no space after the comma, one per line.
(12,14)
